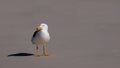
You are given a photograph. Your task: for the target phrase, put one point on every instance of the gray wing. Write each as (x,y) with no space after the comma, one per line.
(35,36)
(35,33)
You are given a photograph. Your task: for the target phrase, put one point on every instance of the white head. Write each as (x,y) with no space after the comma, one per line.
(43,26)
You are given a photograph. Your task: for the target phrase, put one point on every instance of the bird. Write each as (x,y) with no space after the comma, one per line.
(41,37)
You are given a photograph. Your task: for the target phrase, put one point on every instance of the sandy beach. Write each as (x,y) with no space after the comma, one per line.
(84,33)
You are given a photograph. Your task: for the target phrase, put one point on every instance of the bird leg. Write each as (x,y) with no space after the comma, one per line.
(37,54)
(44,50)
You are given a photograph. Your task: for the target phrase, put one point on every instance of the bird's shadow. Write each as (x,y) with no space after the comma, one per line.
(20,54)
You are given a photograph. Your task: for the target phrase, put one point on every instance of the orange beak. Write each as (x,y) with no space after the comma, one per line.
(38,28)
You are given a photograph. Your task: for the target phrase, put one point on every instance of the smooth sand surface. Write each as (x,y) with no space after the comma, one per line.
(84,33)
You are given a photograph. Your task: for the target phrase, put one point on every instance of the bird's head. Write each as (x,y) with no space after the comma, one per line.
(43,26)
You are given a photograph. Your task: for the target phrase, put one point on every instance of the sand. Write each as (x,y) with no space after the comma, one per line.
(84,33)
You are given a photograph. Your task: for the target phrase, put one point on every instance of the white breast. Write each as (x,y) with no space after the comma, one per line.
(45,35)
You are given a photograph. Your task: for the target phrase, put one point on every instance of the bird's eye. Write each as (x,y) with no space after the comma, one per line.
(43,25)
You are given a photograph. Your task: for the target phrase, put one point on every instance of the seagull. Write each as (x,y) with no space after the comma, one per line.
(41,36)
